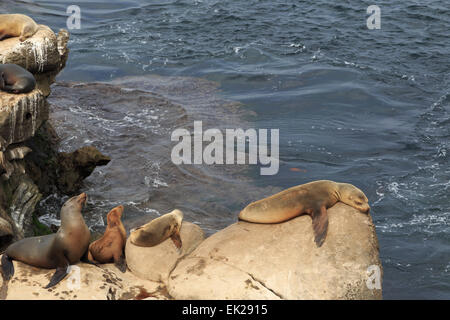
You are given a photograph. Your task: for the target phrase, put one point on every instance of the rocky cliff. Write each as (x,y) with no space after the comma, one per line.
(30,165)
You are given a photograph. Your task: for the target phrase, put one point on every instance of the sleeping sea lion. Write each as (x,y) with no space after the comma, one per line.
(58,250)
(15,79)
(312,198)
(17,25)
(158,230)
(109,248)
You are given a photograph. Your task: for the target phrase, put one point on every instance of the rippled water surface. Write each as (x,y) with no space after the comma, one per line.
(370,107)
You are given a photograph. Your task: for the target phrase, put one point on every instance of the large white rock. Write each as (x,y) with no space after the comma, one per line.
(155,263)
(268,261)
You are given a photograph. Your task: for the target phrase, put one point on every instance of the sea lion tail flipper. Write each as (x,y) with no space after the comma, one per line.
(7,267)
(60,273)
(121,263)
(176,238)
(320,225)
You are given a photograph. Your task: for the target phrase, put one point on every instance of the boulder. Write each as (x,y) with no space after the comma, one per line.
(75,166)
(43,52)
(156,263)
(281,261)
(85,282)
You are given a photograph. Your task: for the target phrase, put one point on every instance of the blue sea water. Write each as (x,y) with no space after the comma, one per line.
(369,107)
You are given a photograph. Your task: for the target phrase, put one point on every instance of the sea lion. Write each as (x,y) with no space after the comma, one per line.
(58,250)
(312,198)
(158,230)
(17,25)
(15,79)
(109,248)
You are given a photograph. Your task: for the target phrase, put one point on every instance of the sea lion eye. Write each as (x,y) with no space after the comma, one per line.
(358,203)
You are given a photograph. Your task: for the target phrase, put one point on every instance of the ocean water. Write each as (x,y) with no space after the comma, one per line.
(368,107)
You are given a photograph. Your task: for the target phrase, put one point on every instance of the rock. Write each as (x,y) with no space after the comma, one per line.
(43,52)
(6,233)
(21,115)
(85,282)
(74,167)
(267,261)
(24,199)
(156,263)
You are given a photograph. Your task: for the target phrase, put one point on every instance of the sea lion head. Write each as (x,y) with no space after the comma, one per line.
(76,203)
(354,197)
(114,216)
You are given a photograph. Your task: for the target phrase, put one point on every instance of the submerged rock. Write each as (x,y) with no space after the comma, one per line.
(281,261)
(156,263)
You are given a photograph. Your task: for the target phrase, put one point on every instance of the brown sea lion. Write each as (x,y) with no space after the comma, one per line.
(15,79)
(312,198)
(158,230)
(58,250)
(109,248)
(17,25)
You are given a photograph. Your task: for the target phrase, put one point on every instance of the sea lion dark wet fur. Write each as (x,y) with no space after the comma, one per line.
(58,250)
(311,198)
(15,79)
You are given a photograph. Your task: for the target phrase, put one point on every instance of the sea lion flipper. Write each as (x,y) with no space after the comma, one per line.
(121,263)
(320,225)
(176,238)
(88,258)
(60,273)
(7,267)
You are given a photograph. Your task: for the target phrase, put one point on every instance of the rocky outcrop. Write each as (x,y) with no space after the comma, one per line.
(75,166)
(44,54)
(242,261)
(30,165)
(281,261)
(84,282)
(156,263)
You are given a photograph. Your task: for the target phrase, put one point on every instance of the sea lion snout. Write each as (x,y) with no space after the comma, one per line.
(366,210)
(82,198)
(119,210)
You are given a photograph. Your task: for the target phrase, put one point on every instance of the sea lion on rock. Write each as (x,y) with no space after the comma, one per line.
(15,79)
(17,25)
(109,248)
(57,250)
(158,230)
(312,198)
